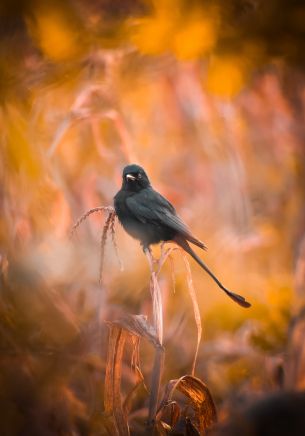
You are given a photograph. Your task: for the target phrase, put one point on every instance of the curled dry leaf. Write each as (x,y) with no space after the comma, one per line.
(190,429)
(162,429)
(170,413)
(199,395)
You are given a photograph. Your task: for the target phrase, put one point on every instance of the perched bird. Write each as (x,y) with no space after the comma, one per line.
(147,216)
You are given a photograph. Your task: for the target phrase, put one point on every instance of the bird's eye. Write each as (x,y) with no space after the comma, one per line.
(139,176)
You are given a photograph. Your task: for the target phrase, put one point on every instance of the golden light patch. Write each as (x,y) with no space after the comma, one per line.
(53,33)
(197,37)
(188,34)
(226,76)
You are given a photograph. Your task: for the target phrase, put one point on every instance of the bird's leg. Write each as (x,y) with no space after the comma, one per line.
(150,258)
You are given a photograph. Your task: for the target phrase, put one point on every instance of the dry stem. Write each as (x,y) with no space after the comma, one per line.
(109,209)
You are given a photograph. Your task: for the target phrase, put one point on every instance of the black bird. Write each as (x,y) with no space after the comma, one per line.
(150,218)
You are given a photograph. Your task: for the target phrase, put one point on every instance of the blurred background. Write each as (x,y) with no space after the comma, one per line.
(208,96)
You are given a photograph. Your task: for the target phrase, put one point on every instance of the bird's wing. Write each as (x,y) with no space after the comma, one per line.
(150,206)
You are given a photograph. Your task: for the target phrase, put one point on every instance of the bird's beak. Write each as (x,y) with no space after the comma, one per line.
(130,177)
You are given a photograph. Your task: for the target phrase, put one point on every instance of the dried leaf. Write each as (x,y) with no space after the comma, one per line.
(162,429)
(197,316)
(112,393)
(135,364)
(137,325)
(200,396)
(170,412)
(190,429)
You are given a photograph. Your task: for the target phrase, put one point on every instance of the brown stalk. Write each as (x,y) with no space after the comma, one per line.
(159,351)
(196,310)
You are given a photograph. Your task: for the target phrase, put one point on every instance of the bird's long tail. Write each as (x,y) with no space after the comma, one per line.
(235,297)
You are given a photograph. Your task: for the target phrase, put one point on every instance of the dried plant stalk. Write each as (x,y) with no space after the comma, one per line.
(159,352)
(109,209)
(106,228)
(173,275)
(155,386)
(165,254)
(114,242)
(109,226)
(196,310)
(157,306)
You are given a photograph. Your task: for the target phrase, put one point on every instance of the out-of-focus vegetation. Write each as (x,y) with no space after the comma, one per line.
(209,97)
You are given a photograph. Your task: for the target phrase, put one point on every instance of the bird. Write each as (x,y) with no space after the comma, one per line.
(150,218)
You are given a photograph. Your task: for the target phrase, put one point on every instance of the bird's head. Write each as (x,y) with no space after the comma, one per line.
(135,178)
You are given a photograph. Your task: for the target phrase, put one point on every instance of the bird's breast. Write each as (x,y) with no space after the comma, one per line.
(148,231)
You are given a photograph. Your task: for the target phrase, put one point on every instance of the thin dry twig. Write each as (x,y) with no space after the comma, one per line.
(114,242)
(108,209)
(109,226)
(104,236)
